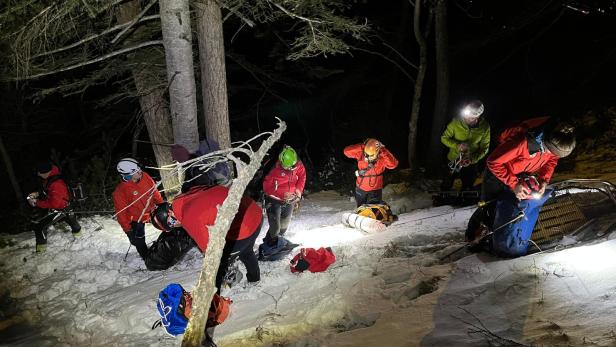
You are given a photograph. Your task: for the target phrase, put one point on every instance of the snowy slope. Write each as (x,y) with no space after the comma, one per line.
(388,289)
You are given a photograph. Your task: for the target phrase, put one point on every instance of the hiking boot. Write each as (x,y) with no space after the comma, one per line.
(41,248)
(269,252)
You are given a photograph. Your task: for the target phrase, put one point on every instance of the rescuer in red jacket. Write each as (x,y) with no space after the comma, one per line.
(372,160)
(196,209)
(523,152)
(55,198)
(283,187)
(133,199)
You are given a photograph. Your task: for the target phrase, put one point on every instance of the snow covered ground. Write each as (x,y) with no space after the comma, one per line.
(389,289)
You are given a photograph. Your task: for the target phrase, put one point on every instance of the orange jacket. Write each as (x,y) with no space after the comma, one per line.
(197,210)
(370,174)
(127,192)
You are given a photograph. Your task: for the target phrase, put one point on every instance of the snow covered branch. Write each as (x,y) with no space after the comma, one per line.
(205,289)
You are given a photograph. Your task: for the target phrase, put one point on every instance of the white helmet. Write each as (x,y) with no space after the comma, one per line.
(128,166)
(473,109)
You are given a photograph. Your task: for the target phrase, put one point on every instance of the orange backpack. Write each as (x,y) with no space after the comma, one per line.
(219,310)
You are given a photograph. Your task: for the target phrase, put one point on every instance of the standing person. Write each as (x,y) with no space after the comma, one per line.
(133,199)
(372,160)
(517,175)
(283,187)
(54,197)
(468,139)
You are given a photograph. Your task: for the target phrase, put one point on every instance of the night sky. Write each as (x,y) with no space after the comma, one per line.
(521,58)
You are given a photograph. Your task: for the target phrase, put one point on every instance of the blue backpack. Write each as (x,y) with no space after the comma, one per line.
(174,304)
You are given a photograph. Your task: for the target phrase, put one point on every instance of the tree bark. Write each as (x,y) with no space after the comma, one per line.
(205,289)
(442,83)
(213,73)
(177,40)
(8,163)
(153,106)
(421,74)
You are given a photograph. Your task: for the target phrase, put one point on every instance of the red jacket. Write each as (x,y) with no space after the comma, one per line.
(58,196)
(127,192)
(318,259)
(280,181)
(372,178)
(196,210)
(513,158)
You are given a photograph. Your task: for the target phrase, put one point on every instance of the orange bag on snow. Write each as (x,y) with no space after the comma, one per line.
(219,310)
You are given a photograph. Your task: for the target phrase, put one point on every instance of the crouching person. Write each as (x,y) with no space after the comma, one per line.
(515,185)
(133,199)
(54,198)
(195,210)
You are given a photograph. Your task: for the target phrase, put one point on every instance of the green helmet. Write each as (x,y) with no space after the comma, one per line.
(287,157)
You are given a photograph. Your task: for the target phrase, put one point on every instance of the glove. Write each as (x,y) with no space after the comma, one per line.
(521,191)
(465,162)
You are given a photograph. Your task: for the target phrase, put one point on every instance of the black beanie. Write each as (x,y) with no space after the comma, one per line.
(43,167)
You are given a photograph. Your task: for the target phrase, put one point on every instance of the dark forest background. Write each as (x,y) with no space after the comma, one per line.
(521,58)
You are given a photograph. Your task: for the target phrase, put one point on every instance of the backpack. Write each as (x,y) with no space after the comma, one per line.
(381,212)
(75,189)
(174,304)
(518,129)
(219,311)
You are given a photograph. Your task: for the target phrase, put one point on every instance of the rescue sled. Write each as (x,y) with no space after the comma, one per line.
(370,218)
(577,210)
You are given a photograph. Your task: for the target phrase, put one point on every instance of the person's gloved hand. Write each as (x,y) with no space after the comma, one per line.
(291,197)
(32,198)
(521,191)
(465,162)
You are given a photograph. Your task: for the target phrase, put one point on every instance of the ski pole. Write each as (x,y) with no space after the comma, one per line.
(515,219)
(126,255)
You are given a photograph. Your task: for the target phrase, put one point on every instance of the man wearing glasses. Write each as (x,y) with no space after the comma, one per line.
(133,199)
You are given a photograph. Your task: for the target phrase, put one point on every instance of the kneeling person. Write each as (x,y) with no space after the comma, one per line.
(195,210)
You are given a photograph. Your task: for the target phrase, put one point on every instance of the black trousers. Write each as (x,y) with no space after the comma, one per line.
(137,238)
(41,225)
(244,250)
(279,216)
(467,175)
(491,187)
(368,197)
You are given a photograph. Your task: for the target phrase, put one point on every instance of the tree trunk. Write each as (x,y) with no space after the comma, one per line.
(421,74)
(11,173)
(153,106)
(213,73)
(177,39)
(442,83)
(205,289)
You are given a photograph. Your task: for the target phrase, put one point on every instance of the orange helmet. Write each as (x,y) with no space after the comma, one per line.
(371,149)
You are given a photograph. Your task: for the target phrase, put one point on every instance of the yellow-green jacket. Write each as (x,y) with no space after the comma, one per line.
(477,138)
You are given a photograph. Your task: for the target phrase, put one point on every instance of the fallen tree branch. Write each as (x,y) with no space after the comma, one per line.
(205,288)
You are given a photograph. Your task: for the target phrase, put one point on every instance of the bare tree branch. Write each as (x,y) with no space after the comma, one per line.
(95,36)
(89,62)
(134,21)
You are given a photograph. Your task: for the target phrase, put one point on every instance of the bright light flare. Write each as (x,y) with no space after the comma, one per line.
(326,236)
(595,258)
